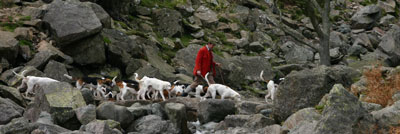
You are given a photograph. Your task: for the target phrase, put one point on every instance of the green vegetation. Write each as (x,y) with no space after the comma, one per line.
(136,32)
(186,38)
(106,40)
(368,2)
(162,3)
(319,108)
(25,18)
(9,26)
(25,43)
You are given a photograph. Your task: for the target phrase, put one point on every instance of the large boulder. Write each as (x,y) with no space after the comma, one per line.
(191,106)
(120,48)
(206,15)
(303,115)
(11,93)
(390,45)
(101,14)
(59,99)
(86,114)
(108,110)
(8,46)
(153,124)
(248,107)
(169,22)
(177,114)
(40,59)
(215,110)
(296,54)
(71,21)
(155,60)
(366,17)
(9,110)
(305,88)
(343,114)
(388,116)
(23,126)
(99,127)
(56,70)
(89,51)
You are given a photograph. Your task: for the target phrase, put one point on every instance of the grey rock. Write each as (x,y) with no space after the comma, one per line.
(388,6)
(59,99)
(177,115)
(262,38)
(89,51)
(248,107)
(109,110)
(101,14)
(168,21)
(41,59)
(370,107)
(9,110)
(143,10)
(307,114)
(153,124)
(12,94)
(256,47)
(386,20)
(390,45)
(86,114)
(8,46)
(343,113)
(88,96)
(99,127)
(206,15)
(357,50)
(311,86)
(139,111)
(215,110)
(236,120)
(56,70)
(272,129)
(71,21)
(296,54)
(22,126)
(45,118)
(366,18)
(388,116)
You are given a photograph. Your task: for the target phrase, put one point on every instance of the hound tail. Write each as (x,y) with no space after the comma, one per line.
(137,77)
(22,75)
(69,77)
(206,78)
(261,75)
(176,82)
(113,80)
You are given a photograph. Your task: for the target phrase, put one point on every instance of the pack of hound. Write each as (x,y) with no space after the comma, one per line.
(145,88)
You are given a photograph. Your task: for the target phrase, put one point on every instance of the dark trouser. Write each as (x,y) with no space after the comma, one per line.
(198,80)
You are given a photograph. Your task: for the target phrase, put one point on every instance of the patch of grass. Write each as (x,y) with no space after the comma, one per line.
(162,3)
(136,32)
(380,89)
(25,42)
(25,18)
(106,40)
(319,108)
(122,24)
(9,26)
(368,2)
(186,38)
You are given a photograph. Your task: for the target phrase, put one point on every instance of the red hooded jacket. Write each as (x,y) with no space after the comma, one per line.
(204,62)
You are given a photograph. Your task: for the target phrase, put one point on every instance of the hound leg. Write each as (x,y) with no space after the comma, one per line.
(213,94)
(162,95)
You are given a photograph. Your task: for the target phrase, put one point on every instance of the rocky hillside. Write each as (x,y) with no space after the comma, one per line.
(160,38)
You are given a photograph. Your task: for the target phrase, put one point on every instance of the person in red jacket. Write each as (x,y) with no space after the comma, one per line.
(204,64)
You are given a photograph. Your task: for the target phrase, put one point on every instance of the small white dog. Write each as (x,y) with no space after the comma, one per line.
(223,90)
(272,87)
(200,89)
(30,81)
(148,84)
